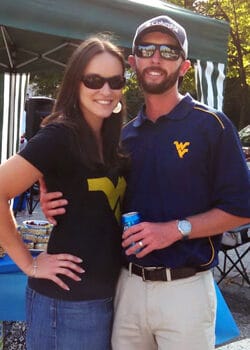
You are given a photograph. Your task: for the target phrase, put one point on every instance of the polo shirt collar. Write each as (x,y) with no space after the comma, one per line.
(179,112)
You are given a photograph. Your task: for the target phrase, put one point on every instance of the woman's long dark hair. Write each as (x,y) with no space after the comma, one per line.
(66,109)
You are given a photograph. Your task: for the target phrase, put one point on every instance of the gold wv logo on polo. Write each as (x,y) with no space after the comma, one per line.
(181,147)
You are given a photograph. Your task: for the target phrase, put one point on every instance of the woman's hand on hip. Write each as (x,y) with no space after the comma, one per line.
(49,266)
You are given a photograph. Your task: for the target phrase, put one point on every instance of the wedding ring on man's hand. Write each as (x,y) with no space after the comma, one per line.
(140,244)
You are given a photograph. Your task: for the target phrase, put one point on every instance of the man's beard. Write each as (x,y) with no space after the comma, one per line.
(157,88)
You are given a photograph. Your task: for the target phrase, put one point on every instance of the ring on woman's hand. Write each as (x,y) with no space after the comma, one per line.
(140,244)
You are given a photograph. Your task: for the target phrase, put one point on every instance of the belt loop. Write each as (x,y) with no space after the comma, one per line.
(143,274)
(130,269)
(168,275)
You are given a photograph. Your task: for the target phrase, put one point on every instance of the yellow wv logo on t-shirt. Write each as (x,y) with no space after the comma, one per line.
(181,147)
(113,193)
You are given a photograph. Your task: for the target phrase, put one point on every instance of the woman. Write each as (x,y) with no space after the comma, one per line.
(70,289)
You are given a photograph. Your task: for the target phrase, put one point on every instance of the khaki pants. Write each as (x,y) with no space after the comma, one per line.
(176,315)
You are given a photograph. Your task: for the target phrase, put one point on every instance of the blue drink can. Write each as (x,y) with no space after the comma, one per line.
(130,219)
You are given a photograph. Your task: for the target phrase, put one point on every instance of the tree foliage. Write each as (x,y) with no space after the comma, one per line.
(133,95)
(46,83)
(236,12)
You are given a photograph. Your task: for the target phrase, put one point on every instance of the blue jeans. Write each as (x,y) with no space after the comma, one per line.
(67,325)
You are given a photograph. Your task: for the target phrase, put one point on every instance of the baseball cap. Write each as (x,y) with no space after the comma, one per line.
(163,24)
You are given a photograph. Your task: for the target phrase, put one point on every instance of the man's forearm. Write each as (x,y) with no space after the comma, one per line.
(213,222)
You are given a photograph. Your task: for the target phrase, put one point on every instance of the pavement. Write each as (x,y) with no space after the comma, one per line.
(235,291)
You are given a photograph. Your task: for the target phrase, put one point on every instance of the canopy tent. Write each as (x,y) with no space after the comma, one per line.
(40,34)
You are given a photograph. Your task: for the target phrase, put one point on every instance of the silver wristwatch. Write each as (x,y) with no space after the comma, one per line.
(184,227)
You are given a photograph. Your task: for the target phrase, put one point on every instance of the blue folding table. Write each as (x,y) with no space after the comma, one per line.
(12,291)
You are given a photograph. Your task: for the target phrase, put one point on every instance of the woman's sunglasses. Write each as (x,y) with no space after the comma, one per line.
(95,81)
(167,52)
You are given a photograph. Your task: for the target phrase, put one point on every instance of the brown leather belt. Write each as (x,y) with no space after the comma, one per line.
(161,273)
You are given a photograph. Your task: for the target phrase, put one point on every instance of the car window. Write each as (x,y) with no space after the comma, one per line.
(244,135)
(245,141)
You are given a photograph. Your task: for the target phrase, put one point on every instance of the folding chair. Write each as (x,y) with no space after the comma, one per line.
(33,197)
(19,203)
(235,260)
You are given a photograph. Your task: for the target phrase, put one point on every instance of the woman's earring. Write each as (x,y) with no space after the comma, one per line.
(118,108)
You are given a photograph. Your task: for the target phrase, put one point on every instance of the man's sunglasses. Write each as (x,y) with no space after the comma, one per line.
(167,52)
(95,81)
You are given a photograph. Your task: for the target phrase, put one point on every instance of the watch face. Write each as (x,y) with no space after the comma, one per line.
(184,227)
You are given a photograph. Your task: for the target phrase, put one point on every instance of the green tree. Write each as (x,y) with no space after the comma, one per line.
(236,12)
(133,95)
(237,91)
(46,83)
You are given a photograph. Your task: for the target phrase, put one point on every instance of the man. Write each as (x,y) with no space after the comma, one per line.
(189,182)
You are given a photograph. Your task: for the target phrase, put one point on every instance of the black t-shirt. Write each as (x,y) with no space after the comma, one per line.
(91,227)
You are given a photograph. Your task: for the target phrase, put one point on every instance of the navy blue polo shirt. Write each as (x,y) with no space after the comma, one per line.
(185,163)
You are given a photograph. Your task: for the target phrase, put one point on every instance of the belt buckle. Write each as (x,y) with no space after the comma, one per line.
(143,269)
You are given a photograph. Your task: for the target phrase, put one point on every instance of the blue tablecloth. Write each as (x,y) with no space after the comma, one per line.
(225,326)
(12,291)
(7,265)
(12,296)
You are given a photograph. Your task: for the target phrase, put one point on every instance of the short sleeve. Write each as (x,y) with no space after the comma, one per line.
(49,148)
(232,177)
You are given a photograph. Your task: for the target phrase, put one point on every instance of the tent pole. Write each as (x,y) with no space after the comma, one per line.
(7,47)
